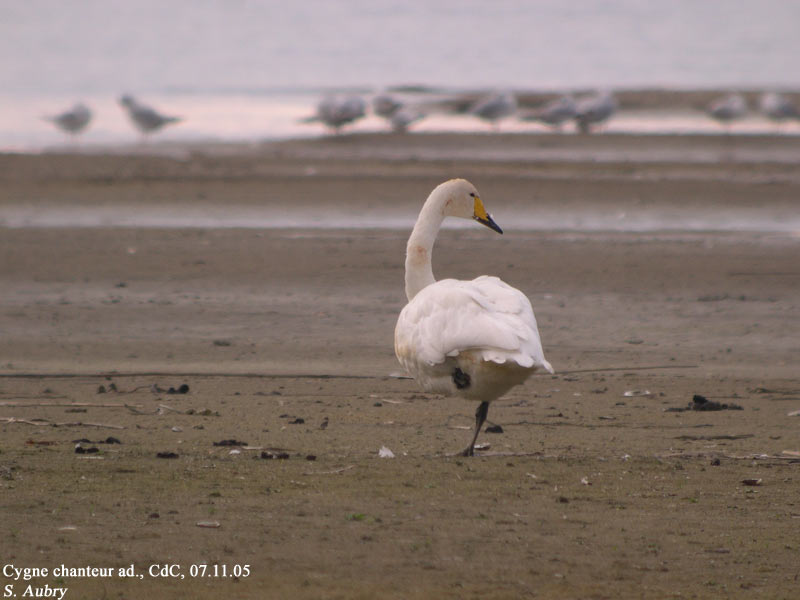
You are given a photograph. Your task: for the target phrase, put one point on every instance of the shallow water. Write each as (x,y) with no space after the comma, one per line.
(205,216)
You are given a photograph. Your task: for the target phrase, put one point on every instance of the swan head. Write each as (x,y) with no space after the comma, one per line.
(461,199)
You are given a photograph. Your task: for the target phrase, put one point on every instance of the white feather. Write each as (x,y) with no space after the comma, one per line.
(485,315)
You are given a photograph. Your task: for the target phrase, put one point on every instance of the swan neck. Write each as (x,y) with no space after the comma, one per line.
(419,273)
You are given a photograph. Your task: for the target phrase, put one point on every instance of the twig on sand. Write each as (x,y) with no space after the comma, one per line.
(46,423)
(784,456)
(648,368)
(486,454)
(334,472)
(65,404)
(162,408)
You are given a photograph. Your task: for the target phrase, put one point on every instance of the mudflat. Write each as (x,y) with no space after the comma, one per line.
(607,481)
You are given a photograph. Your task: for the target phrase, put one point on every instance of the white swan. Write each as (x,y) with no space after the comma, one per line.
(474,339)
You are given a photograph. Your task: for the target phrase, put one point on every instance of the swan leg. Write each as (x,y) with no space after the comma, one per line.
(480,417)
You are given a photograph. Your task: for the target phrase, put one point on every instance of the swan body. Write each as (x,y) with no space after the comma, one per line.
(473,339)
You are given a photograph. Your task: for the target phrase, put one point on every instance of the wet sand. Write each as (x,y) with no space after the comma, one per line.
(594,489)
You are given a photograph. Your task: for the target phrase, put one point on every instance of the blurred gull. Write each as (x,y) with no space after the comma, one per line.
(495,107)
(402,119)
(335,112)
(73,121)
(727,109)
(594,110)
(555,113)
(385,105)
(146,119)
(777,107)
(399,115)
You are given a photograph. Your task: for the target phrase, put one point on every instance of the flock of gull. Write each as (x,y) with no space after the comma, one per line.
(145,118)
(588,112)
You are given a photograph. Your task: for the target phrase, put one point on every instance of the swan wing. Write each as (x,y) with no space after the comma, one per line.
(485,315)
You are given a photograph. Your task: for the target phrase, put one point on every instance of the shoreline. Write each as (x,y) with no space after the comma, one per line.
(222,118)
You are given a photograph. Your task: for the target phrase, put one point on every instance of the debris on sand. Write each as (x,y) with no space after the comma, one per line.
(108,440)
(182,389)
(230,442)
(702,403)
(384,452)
(494,429)
(269,455)
(167,455)
(209,524)
(751,482)
(79,449)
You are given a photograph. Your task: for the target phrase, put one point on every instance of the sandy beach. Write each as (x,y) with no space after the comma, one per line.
(268,279)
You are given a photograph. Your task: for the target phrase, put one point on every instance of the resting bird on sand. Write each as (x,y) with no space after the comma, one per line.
(73,121)
(145,118)
(594,110)
(777,107)
(555,113)
(474,339)
(335,111)
(728,109)
(495,107)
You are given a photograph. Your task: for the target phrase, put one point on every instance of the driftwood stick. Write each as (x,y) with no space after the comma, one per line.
(64,404)
(334,472)
(46,423)
(602,370)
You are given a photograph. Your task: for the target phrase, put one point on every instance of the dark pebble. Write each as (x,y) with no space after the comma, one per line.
(297,421)
(182,389)
(311,457)
(494,429)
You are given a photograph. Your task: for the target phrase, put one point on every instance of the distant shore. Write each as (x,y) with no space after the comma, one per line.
(254,116)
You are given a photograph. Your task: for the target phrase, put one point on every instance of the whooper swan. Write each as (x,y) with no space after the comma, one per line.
(474,339)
